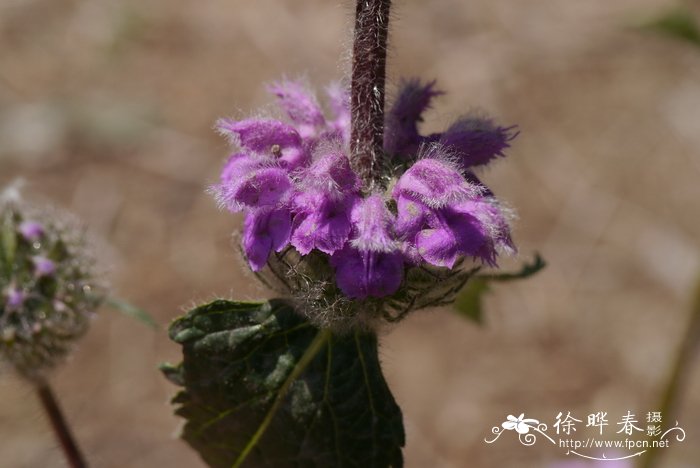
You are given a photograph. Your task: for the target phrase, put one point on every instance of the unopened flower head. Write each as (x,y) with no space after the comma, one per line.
(48,289)
(352,253)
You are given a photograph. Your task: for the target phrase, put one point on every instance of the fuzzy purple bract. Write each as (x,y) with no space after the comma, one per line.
(294,180)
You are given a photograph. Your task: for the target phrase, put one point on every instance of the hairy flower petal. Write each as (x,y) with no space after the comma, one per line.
(494,221)
(330,174)
(360,274)
(435,183)
(412,216)
(267,137)
(301,106)
(265,230)
(477,140)
(266,186)
(472,228)
(401,122)
(438,247)
(339,99)
(371,225)
(239,166)
(322,223)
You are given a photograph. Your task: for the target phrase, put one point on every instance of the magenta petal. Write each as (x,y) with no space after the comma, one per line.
(263,232)
(385,273)
(435,183)
(401,127)
(301,106)
(349,272)
(412,216)
(267,137)
(331,174)
(264,187)
(43,266)
(14,298)
(473,228)
(472,235)
(239,166)
(360,274)
(410,252)
(492,223)
(31,231)
(477,140)
(259,135)
(438,247)
(325,227)
(371,223)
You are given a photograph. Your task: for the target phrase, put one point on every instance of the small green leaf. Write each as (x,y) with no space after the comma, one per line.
(469,300)
(132,311)
(265,388)
(678,23)
(8,245)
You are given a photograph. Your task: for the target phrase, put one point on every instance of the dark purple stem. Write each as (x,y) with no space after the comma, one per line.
(367,87)
(60,426)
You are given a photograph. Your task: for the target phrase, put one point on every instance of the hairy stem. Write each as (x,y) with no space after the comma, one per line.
(677,378)
(367,87)
(60,426)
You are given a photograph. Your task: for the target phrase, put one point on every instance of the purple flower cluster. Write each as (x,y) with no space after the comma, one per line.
(48,286)
(295,182)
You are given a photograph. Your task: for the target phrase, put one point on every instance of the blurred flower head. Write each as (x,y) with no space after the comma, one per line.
(48,288)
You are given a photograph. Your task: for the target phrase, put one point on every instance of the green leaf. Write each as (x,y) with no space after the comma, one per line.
(678,23)
(265,388)
(8,245)
(469,300)
(132,311)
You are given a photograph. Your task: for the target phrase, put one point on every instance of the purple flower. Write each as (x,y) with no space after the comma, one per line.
(31,231)
(477,140)
(412,217)
(265,230)
(43,266)
(267,137)
(371,265)
(474,228)
(365,273)
(301,106)
(326,194)
(240,165)
(14,298)
(401,123)
(371,222)
(254,187)
(321,222)
(297,187)
(330,174)
(434,182)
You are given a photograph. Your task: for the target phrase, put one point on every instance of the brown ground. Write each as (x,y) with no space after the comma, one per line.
(106,107)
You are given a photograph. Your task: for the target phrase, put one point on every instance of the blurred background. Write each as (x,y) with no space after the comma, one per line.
(107,107)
